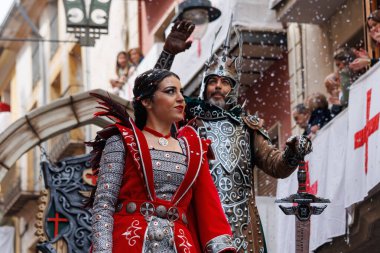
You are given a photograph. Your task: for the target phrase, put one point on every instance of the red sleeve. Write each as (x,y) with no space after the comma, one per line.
(210,219)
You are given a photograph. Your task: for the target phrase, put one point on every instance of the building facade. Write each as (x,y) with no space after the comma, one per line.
(287,50)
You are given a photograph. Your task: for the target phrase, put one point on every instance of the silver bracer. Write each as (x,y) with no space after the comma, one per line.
(108,187)
(232,173)
(219,244)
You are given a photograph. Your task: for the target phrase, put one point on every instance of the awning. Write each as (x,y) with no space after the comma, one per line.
(48,121)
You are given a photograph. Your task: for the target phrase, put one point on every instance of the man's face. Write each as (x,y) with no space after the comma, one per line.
(217,90)
(301,119)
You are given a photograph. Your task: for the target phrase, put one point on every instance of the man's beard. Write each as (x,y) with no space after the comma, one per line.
(218,102)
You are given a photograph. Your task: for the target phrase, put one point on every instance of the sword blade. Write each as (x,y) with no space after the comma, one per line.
(302,236)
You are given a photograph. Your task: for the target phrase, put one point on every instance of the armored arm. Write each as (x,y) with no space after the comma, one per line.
(175,43)
(276,163)
(108,186)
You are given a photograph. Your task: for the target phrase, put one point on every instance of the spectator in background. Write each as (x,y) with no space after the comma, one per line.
(121,70)
(373,22)
(135,57)
(343,57)
(333,88)
(320,113)
(301,115)
(363,60)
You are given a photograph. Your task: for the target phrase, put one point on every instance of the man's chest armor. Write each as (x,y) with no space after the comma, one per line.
(231,171)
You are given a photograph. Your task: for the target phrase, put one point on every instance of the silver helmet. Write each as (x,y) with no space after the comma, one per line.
(224,66)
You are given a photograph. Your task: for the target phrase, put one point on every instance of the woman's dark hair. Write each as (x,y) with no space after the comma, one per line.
(345,54)
(375,16)
(117,61)
(146,84)
(301,108)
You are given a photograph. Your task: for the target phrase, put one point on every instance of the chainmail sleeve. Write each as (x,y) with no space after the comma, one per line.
(108,187)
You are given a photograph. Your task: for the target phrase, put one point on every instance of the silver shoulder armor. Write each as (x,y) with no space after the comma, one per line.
(255,123)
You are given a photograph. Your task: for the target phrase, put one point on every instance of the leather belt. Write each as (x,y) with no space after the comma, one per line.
(148,209)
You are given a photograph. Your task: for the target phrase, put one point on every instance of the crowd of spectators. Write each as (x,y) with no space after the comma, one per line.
(125,67)
(350,63)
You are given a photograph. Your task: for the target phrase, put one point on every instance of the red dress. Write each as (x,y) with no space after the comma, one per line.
(194,212)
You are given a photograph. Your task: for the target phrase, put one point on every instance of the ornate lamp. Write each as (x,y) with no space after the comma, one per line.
(197,11)
(87,19)
(200,12)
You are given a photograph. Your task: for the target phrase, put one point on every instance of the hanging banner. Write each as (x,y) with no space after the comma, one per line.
(326,175)
(363,150)
(7,234)
(343,167)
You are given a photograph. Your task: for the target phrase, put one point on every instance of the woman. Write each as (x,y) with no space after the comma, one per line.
(159,182)
(121,70)
(135,57)
(363,60)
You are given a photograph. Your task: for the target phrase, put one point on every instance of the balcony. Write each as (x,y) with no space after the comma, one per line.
(13,194)
(305,11)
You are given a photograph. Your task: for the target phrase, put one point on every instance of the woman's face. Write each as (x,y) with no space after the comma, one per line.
(135,57)
(168,103)
(122,60)
(374,29)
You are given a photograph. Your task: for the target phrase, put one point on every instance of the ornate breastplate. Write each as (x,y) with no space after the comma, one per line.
(232,172)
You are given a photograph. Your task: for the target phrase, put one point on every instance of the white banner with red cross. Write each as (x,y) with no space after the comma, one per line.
(325,178)
(363,150)
(343,167)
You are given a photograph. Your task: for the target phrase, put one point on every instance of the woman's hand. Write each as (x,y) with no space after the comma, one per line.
(314,129)
(116,83)
(360,63)
(362,60)
(334,100)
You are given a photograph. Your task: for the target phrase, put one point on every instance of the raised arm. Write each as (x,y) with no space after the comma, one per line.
(176,42)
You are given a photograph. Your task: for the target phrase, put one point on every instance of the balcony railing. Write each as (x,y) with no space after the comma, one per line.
(14,196)
(344,167)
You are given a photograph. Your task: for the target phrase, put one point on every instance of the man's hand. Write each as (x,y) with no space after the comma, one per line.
(297,147)
(176,42)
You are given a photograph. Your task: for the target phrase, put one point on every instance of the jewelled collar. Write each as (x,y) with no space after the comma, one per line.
(204,110)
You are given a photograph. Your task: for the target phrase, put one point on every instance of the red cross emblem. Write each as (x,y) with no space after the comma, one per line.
(56,221)
(89,177)
(372,125)
(311,189)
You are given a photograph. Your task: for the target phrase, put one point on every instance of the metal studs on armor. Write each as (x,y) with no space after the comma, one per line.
(119,207)
(147,209)
(173,214)
(159,235)
(161,211)
(131,207)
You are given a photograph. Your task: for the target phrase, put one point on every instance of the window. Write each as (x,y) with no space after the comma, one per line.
(36,67)
(53,28)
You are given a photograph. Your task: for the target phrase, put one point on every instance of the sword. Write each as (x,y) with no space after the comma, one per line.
(302,210)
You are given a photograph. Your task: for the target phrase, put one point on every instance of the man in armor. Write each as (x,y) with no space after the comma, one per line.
(239,140)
